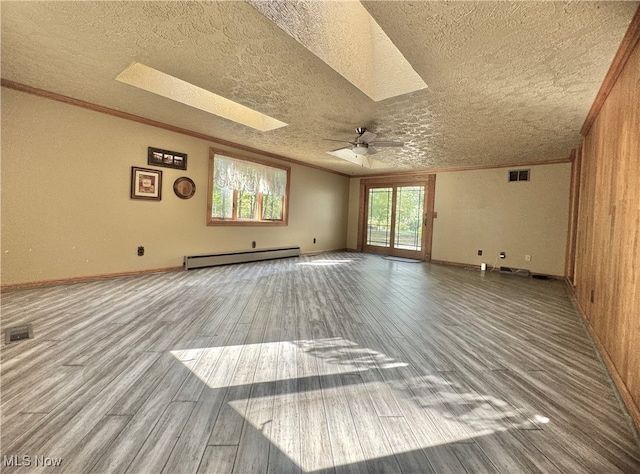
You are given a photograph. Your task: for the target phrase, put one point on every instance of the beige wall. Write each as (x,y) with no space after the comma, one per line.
(482,210)
(66,210)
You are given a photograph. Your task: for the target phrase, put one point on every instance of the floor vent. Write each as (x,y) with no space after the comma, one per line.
(17,333)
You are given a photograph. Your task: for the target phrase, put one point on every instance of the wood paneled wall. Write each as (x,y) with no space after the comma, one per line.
(607,252)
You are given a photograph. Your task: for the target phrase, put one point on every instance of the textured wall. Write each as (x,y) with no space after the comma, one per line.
(607,279)
(66,210)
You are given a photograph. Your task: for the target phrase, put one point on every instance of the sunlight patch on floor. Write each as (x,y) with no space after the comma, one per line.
(541,419)
(338,356)
(343,430)
(429,409)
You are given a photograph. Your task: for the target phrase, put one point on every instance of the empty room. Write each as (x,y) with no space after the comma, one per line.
(320,236)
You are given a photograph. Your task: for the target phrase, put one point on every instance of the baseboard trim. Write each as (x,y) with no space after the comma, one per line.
(625,397)
(457,264)
(66,281)
(473,266)
(569,284)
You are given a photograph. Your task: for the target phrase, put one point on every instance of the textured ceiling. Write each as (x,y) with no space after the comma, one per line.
(346,37)
(508,82)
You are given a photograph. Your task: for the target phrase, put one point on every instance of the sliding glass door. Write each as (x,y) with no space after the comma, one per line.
(395,220)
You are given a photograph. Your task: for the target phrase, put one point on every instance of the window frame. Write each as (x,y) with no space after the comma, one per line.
(234,221)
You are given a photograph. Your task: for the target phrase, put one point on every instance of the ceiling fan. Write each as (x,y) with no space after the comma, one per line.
(365,143)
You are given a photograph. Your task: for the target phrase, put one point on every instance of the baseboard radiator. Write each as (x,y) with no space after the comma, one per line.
(227,258)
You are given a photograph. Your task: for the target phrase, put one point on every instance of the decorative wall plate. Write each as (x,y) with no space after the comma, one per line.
(184,187)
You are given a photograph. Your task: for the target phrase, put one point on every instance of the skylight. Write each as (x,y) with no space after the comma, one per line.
(152,80)
(346,37)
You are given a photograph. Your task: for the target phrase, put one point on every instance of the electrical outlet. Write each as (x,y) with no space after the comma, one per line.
(479,252)
(140,251)
(527,258)
(253,244)
(503,255)
(314,240)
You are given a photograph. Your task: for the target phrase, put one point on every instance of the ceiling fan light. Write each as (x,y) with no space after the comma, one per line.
(360,149)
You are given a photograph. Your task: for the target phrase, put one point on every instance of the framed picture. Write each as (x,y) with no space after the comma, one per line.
(166,158)
(146,184)
(184,187)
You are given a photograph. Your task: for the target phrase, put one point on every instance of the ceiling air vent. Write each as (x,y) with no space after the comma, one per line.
(519,175)
(18,333)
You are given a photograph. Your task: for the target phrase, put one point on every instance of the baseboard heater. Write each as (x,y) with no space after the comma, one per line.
(227,258)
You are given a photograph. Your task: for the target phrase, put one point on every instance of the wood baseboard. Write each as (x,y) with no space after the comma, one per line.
(625,396)
(497,269)
(66,281)
(457,264)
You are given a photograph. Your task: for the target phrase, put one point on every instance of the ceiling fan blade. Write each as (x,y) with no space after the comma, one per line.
(387,144)
(339,141)
(361,160)
(347,155)
(371,150)
(367,136)
(346,148)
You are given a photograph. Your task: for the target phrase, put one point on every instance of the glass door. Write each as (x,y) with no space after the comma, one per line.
(408,218)
(379,217)
(395,220)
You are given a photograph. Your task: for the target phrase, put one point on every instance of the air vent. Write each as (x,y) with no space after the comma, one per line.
(519,175)
(18,333)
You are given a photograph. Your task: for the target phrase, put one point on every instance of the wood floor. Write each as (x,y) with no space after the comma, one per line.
(342,362)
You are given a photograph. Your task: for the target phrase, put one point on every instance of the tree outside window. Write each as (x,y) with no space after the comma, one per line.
(246,192)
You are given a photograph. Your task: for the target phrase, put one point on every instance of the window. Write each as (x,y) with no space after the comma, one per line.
(246,192)
(519,175)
